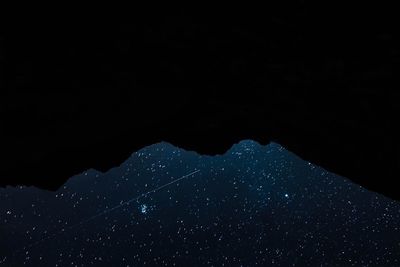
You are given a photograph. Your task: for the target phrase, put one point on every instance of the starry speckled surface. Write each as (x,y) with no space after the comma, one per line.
(255,205)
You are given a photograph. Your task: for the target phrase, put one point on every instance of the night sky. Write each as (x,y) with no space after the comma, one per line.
(254,206)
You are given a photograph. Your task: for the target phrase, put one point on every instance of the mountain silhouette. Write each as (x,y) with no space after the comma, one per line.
(252,205)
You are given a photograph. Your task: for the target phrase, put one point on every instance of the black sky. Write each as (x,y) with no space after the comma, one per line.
(86,90)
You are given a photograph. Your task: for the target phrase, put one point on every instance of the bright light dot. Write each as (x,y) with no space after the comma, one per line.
(143,208)
(286,195)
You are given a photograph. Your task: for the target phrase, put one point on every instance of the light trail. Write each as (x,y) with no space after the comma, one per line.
(109,210)
(134,199)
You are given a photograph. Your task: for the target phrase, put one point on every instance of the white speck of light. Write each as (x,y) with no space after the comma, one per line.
(143,208)
(286,195)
